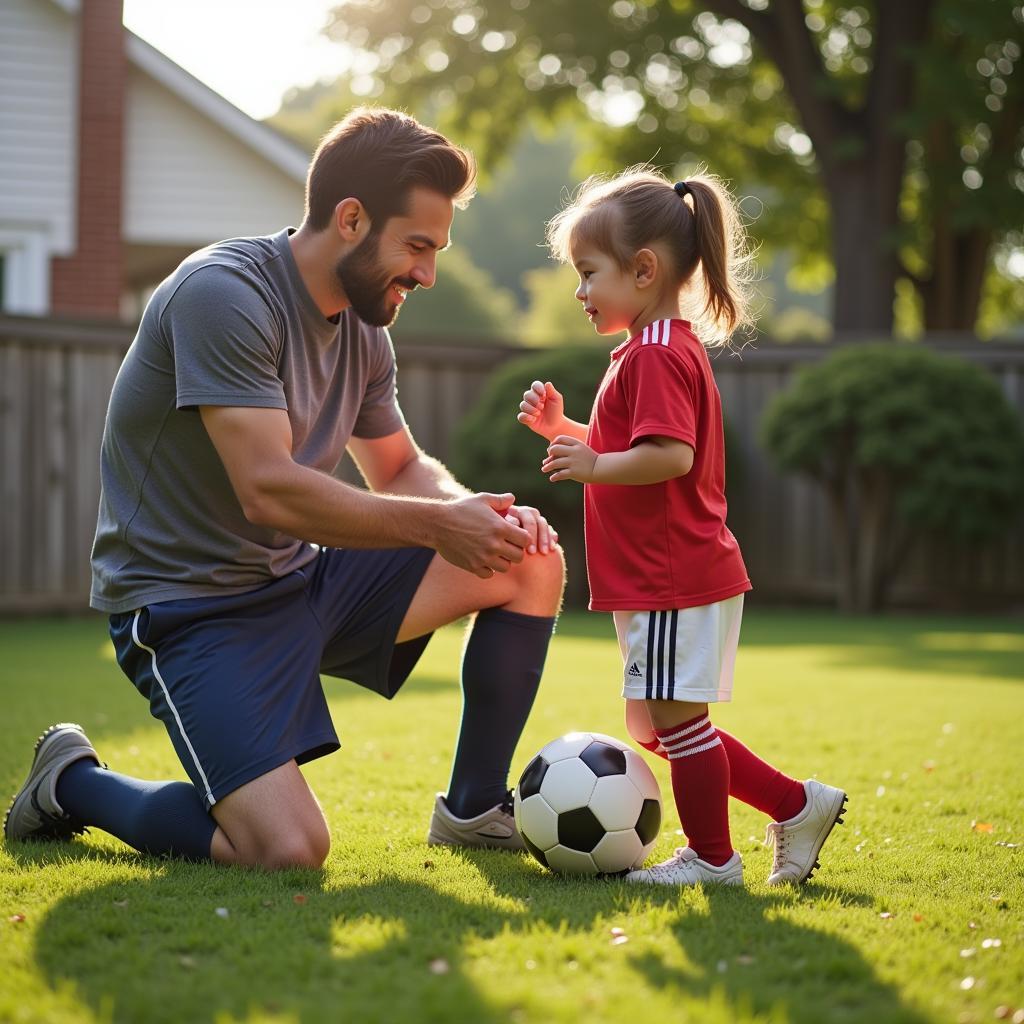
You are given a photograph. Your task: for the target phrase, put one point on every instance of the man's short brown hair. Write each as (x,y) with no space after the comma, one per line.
(378,156)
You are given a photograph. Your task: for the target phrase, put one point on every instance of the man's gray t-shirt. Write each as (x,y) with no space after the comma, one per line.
(234,325)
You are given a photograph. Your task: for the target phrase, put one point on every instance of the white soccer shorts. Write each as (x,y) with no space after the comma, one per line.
(685,654)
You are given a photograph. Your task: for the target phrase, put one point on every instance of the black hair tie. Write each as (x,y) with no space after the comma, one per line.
(682,189)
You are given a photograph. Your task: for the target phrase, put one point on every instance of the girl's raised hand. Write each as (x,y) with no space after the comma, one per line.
(542,409)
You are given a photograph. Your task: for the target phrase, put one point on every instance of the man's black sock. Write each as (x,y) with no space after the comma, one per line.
(155,817)
(501,669)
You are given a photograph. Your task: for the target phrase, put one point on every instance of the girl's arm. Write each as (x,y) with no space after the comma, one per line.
(651,461)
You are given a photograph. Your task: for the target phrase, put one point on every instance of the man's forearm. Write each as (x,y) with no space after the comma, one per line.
(425,477)
(315,507)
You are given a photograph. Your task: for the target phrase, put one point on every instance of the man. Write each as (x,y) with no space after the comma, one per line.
(236,569)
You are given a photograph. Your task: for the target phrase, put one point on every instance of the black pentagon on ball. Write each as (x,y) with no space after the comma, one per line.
(649,822)
(603,759)
(535,850)
(532,777)
(579,829)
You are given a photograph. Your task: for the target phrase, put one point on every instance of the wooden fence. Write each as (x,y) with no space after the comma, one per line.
(55,378)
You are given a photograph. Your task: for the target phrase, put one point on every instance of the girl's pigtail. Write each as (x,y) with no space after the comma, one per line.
(723,254)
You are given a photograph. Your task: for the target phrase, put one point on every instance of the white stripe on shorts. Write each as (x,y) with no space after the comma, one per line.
(174,711)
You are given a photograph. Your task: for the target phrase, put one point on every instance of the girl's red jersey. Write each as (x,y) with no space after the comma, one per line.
(666,545)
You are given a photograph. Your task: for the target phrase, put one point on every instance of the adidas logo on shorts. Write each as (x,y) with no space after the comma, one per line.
(634,671)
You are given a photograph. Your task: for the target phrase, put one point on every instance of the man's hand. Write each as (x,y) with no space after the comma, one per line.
(543,537)
(480,537)
(569,458)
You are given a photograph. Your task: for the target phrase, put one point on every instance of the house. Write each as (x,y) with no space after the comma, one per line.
(115,163)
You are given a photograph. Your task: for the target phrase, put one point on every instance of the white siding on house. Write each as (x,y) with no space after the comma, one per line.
(188,181)
(38,117)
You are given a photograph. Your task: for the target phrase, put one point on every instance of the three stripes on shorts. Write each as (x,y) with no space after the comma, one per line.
(661,677)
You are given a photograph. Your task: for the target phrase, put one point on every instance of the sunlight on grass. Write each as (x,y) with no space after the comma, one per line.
(915,915)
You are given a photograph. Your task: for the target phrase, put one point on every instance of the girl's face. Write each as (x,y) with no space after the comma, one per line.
(610,296)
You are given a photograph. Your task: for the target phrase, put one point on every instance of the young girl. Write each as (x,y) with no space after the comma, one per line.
(659,555)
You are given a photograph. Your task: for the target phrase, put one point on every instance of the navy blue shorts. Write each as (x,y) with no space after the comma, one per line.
(236,679)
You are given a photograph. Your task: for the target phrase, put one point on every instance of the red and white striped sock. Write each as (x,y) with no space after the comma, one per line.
(752,780)
(757,783)
(700,785)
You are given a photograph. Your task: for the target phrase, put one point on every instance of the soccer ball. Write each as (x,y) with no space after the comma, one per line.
(588,804)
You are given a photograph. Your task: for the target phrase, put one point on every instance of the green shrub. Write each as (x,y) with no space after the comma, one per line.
(904,442)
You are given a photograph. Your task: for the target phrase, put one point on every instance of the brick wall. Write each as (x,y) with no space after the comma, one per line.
(89,282)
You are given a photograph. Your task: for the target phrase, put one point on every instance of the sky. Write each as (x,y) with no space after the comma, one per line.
(250,51)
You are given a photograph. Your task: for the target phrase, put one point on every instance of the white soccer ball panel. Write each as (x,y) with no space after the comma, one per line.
(536,820)
(570,862)
(639,773)
(619,851)
(616,802)
(568,784)
(572,744)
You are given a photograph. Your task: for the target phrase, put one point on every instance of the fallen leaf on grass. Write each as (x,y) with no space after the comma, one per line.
(299,898)
(919,917)
(981,826)
(16,918)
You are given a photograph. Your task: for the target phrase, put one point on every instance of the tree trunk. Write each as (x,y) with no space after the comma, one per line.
(861,150)
(844,536)
(866,263)
(874,517)
(952,293)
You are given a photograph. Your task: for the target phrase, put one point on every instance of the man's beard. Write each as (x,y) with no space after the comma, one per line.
(366,285)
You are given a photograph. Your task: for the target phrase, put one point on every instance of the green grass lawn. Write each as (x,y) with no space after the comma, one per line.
(917,914)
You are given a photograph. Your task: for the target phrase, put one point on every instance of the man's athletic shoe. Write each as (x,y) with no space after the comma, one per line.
(494,828)
(684,867)
(799,840)
(34,813)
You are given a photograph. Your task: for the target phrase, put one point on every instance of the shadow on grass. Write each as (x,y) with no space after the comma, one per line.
(741,951)
(941,645)
(155,949)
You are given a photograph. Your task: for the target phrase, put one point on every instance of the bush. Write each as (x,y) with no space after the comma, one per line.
(904,442)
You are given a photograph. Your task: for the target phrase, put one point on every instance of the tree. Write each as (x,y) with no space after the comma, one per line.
(905,443)
(869,130)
